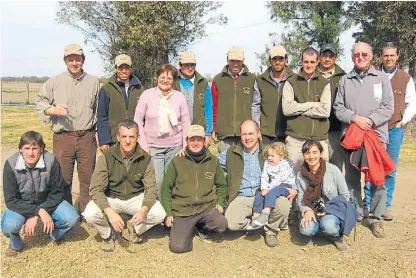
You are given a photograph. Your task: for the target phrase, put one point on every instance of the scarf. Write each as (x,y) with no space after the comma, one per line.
(361,73)
(314,189)
(166,114)
(197,157)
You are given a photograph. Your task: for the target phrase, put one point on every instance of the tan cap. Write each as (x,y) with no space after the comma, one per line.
(235,53)
(195,130)
(277,50)
(187,57)
(73,49)
(123,59)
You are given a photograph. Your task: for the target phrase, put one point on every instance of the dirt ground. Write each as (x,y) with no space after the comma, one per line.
(236,256)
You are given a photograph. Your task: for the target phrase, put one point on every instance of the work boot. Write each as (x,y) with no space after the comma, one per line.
(107,245)
(388,215)
(271,240)
(12,253)
(340,243)
(377,228)
(204,236)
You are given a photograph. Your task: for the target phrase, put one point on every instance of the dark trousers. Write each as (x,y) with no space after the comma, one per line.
(270,199)
(184,228)
(81,148)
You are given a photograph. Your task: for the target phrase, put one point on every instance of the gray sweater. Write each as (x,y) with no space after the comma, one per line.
(370,97)
(333,185)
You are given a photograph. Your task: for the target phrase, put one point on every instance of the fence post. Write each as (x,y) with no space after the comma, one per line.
(28,91)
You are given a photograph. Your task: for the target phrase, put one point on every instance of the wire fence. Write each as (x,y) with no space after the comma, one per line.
(19,93)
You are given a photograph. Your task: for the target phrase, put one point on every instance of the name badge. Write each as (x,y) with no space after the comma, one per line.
(378,92)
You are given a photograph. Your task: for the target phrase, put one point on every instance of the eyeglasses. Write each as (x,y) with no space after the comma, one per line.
(361,54)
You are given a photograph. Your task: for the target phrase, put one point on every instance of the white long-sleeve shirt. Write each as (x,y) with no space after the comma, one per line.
(274,175)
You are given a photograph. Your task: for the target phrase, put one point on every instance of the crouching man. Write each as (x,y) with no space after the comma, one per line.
(123,182)
(188,193)
(33,188)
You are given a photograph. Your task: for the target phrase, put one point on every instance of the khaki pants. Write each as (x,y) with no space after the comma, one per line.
(294,148)
(336,151)
(241,208)
(95,217)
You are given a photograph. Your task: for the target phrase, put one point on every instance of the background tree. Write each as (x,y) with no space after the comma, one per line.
(309,23)
(390,21)
(151,32)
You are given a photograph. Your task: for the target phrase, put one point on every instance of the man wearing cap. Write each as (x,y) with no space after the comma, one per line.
(235,99)
(333,73)
(123,182)
(69,101)
(270,84)
(193,193)
(197,93)
(117,101)
(404,110)
(306,103)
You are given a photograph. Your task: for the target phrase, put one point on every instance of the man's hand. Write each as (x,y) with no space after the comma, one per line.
(214,136)
(181,152)
(57,110)
(207,141)
(30,226)
(363,122)
(264,192)
(103,148)
(169,221)
(219,208)
(292,194)
(139,216)
(115,219)
(48,224)
(307,219)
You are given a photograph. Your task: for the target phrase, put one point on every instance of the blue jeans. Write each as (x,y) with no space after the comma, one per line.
(396,136)
(330,225)
(161,160)
(270,199)
(65,216)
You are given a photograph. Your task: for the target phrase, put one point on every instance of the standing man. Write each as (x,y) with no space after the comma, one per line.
(69,101)
(333,73)
(117,101)
(33,189)
(234,97)
(244,163)
(270,83)
(404,110)
(365,97)
(193,192)
(306,103)
(124,182)
(197,93)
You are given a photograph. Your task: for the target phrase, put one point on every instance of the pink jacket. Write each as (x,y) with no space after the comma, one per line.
(146,116)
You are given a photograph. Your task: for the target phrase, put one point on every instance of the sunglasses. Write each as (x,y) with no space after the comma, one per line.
(362,54)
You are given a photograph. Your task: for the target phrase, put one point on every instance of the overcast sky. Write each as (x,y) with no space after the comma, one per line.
(32,42)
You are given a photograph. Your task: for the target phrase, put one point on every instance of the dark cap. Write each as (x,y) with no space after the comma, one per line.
(329,46)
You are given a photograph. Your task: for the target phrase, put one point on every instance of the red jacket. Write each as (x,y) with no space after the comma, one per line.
(380,163)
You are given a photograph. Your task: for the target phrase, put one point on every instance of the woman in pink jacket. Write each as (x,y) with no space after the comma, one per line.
(163,117)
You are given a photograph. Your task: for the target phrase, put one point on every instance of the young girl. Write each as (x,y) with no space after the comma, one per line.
(276,180)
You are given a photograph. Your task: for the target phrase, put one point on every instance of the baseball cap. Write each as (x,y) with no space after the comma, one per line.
(236,53)
(123,59)
(329,46)
(277,50)
(73,49)
(195,130)
(187,57)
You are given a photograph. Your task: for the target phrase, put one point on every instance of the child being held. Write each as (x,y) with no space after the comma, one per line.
(276,180)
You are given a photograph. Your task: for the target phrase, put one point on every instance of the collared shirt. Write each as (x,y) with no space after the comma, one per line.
(328,74)
(125,86)
(410,97)
(80,95)
(251,174)
(188,89)
(127,161)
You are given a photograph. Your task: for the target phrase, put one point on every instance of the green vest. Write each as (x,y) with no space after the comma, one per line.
(234,101)
(117,110)
(194,190)
(235,169)
(301,126)
(200,86)
(272,119)
(124,185)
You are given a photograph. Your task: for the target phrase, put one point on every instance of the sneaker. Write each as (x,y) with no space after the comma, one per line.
(107,245)
(285,226)
(261,220)
(340,243)
(271,240)
(205,237)
(388,215)
(131,235)
(377,228)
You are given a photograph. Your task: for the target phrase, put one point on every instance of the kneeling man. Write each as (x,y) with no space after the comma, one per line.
(188,193)
(34,188)
(123,182)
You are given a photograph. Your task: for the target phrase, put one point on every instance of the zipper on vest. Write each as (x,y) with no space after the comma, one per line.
(235,104)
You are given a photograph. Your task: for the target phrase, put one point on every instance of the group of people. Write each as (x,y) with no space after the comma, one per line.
(283,139)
